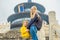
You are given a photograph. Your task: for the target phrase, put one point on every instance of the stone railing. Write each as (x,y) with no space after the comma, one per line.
(4,27)
(11,35)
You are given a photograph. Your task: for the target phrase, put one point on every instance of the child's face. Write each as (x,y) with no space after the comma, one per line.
(25,23)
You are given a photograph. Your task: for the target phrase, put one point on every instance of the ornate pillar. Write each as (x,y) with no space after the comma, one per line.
(52,21)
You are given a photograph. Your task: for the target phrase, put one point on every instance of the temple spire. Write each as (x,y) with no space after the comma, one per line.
(29,0)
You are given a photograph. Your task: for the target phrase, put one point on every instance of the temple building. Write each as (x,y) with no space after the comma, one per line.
(49,30)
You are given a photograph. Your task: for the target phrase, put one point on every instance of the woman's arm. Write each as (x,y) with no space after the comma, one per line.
(32,21)
(32,15)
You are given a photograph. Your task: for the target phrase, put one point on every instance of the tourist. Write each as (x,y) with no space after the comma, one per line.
(24,31)
(35,23)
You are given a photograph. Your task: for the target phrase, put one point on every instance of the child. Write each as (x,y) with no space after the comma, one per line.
(24,31)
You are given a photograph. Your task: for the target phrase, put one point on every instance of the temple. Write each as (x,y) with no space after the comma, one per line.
(50,27)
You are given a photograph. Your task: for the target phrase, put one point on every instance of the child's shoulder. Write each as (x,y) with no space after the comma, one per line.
(22,27)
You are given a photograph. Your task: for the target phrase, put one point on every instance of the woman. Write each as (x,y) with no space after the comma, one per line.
(35,23)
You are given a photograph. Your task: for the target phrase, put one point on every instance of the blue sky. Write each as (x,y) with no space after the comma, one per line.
(7,7)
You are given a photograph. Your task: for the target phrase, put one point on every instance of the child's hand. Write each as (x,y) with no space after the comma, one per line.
(27,30)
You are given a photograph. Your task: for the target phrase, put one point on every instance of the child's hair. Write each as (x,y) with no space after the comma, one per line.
(25,20)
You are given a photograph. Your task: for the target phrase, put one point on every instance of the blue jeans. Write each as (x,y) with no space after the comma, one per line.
(33,32)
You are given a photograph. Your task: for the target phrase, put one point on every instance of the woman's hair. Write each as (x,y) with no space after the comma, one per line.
(33,7)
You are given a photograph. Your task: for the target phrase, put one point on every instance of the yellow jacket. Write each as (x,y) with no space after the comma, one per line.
(24,33)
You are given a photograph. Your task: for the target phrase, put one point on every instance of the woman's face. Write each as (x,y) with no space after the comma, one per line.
(33,10)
